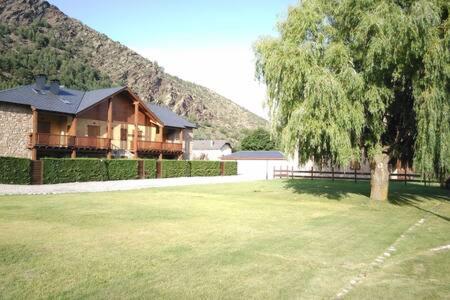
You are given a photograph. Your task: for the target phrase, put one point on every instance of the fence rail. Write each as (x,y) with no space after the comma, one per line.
(339,175)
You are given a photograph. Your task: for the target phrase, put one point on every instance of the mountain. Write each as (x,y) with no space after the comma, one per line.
(36,37)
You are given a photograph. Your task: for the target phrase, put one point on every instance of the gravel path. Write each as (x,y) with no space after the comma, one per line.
(119,185)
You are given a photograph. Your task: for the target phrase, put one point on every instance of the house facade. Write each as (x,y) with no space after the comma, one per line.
(47,120)
(211,149)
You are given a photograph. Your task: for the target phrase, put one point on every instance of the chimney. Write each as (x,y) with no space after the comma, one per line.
(54,87)
(41,79)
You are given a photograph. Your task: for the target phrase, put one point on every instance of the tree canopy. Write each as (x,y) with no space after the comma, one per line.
(352,77)
(258,139)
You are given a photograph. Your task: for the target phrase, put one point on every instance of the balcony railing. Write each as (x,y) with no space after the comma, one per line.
(87,142)
(92,142)
(52,140)
(159,146)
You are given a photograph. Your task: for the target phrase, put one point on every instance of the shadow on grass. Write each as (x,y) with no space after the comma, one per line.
(399,194)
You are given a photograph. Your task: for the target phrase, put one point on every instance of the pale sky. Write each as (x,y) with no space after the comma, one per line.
(203,41)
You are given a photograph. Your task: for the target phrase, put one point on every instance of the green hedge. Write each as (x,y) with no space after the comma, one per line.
(122,169)
(150,168)
(205,168)
(60,170)
(230,168)
(15,170)
(175,168)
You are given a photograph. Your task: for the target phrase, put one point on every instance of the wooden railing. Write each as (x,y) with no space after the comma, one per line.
(353,175)
(52,140)
(92,142)
(87,142)
(174,147)
(159,146)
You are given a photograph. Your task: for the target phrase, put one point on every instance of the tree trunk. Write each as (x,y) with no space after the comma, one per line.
(379,182)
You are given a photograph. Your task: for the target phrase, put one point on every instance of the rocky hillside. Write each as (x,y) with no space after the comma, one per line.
(82,52)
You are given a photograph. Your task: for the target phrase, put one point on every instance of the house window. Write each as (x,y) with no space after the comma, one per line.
(157,129)
(93,131)
(123,134)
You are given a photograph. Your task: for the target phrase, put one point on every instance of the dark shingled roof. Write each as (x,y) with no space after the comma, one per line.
(255,155)
(209,144)
(67,101)
(168,117)
(73,101)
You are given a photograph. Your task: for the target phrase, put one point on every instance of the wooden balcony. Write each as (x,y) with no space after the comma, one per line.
(151,146)
(87,142)
(46,140)
(52,140)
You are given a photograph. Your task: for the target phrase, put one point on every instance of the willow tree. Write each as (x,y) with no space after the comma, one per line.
(362,78)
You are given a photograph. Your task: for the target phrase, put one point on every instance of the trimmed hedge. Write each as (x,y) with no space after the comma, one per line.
(122,169)
(205,168)
(149,168)
(15,170)
(230,168)
(60,170)
(175,168)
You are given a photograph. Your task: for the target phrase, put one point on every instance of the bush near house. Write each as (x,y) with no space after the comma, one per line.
(15,170)
(175,168)
(205,168)
(149,168)
(122,169)
(60,170)
(230,168)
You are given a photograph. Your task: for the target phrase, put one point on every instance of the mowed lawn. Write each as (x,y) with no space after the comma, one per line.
(267,239)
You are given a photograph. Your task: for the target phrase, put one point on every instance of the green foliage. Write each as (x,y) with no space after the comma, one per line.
(60,170)
(230,168)
(258,139)
(122,169)
(36,49)
(351,77)
(15,170)
(150,168)
(175,168)
(205,168)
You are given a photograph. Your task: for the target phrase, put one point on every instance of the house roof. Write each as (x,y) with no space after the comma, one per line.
(67,101)
(209,144)
(168,117)
(71,101)
(255,155)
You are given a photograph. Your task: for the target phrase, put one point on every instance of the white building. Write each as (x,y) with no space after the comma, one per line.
(210,149)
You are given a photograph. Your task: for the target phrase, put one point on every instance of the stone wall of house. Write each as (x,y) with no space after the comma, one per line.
(15,126)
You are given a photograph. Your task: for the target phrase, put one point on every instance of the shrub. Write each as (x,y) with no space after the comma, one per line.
(15,170)
(230,168)
(205,168)
(175,168)
(60,170)
(122,169)
(150,168)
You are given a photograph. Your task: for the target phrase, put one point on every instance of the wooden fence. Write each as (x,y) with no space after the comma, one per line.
(353,175)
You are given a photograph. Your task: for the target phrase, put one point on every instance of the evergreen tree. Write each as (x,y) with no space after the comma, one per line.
(353,77)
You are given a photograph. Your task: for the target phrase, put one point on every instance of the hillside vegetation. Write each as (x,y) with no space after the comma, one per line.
(37,37)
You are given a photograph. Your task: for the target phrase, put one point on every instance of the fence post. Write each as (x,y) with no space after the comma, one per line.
(159,169)
(355,175)
(292,172)
(405,176)
(141,174)
(37,172)
(273,174)
(312,172)
(332,173)
(222,168)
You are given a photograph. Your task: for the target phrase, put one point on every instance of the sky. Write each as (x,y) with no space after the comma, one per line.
(206,42)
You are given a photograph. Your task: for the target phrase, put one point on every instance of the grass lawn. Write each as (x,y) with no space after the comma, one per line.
(274,239)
